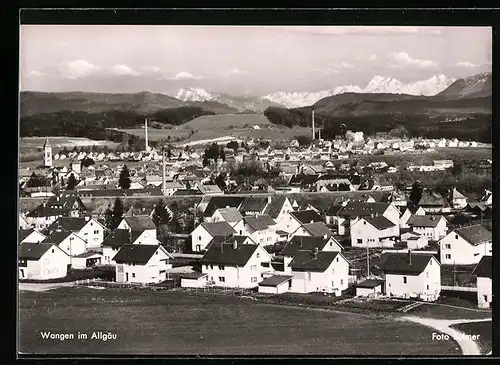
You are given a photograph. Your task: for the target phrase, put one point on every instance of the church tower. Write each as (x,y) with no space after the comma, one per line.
(47,154)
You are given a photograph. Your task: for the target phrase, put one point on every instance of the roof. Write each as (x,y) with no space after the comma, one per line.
(217,202)
(33,251)
(88,254)
(380,222)
(317,229)
(484,268)
(275,280)
(73,224)
(57,237)
(218,228)
(369,283)
(475,234)
(140,222)
(253,204)
(138,254)
(45,211)
(209,189)
(455,194)
(259,222)
(230,214)
(360,209)
(307,216)
(225,254)
(399,263)
(224,239)
(307,243)
(432,199)
(413,208)
(23,233)
(116,238)
(187,192)
(64,201)
(306,261)
(274,207)
(429,221)
(193,275)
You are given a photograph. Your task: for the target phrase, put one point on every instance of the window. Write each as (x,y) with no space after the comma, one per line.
(258,254)
(427,274)
(448,245)
(337,259)
(427,287)
(364,222)
(333,284)
(309,276)
(91,224)
(331,243)
(211,267)
(447,256)
(85,234)
(221,267)
(199,238)
(133,275)
(52,250)
(341,281)
(254,279)
(360,240)
(456,236)
(241,232)
(96,231)
(253,267)
(222,279)
(405,279)
(156,253)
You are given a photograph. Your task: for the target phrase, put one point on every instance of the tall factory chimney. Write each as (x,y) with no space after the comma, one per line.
(313,131)
(146,132)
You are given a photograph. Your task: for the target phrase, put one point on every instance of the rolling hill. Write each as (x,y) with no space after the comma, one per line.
(475,86)
(33,103)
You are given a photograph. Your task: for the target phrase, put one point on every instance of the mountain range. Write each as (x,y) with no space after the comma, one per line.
(378,84)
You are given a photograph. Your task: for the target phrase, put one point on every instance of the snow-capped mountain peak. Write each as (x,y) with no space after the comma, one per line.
(378,84)
(194,94)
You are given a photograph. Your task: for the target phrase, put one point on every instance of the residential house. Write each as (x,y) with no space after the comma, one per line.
(433,227)
(291,221)
(466,245)
(433,202)
(276,284)
(136,225)
(396,198)
(457,199)
(369,288)
(487,198)
(260,228)
(86,260)
(142,264)
(307,243)
(374,231)
(210,190)
(112,243)
(414,240)
(209,204)
(411,275)
(68,241)
(319,271)
(42,261)
(353,211)
(43,216)
(254,205)
(229,215)
(410,211)
(23,224)
(31,236)
(483,272)
(234,265)
(205,232)
(443,164)
(71,205)
(278,207)
(90,229)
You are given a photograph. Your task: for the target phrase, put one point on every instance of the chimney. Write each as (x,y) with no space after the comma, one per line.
(315,253)
(87,218)
(235,244)
(313,131)
(325,236)
(409,257)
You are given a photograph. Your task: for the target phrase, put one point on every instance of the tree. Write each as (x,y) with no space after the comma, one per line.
(71,183)
(86,162)
(206,160)
(303,140)
(161,215)
(108,218)
(219,181)
(124,179)
(458,168)
(174,225)
(416,192)
(35,181)
(233,145)
(222,154)
(117,214)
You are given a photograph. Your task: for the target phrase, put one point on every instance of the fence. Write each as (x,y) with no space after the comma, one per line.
(459,288)
(413,251)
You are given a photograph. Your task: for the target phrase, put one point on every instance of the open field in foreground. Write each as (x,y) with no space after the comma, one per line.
(171,323)
(483,329)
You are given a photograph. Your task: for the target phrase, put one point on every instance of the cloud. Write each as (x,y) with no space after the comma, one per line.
(236,71)
(372,57)
(153,69)
(123,70)
(467,64)
(403,59)
(185,76)
(76,69)
(35,73)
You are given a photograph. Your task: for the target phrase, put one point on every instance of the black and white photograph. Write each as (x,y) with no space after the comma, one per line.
(209,190)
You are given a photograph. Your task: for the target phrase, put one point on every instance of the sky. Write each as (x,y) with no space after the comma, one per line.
(242,60)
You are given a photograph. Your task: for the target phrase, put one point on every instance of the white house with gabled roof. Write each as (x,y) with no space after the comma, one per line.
(376,231)
(465,246)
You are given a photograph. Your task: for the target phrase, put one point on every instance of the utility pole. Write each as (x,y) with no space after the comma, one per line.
(367,261)
(164,186)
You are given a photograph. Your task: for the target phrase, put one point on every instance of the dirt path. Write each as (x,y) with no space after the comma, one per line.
(467,345)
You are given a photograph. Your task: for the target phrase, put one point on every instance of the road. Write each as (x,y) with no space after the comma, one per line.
(468,346)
